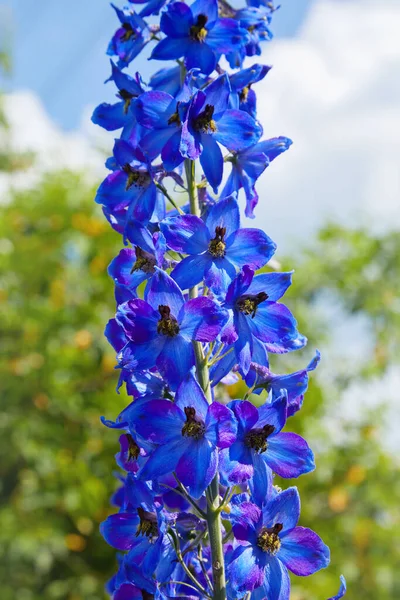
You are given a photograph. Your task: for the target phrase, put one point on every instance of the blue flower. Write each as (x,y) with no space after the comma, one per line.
(257,321)
(249,164)
(130,187)
(132,266)
(271,544)
(187,433)
(196,33)
(217,246)
(262,447)
(210,120)
(152,7)
(115,116)
(129,39)
(160,330)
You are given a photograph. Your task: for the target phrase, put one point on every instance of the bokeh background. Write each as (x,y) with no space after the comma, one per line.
(331,203)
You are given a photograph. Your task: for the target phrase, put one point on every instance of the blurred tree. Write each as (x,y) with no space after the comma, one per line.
(57,376)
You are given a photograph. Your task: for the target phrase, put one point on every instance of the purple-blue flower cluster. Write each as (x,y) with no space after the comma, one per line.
(199,515)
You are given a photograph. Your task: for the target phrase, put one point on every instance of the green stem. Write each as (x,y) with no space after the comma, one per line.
(213,513)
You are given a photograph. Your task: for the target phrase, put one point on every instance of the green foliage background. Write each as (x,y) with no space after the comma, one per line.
(57,376)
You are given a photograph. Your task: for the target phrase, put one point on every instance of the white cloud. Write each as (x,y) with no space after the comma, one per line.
(335,90)
(31,130)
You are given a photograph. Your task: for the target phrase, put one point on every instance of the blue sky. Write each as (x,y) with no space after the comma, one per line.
(58,50)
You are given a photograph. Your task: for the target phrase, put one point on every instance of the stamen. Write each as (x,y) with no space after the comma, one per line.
(217,245)
(192,427)
(248,304)
(148,523)
(144,261)
(129,32)
(204,122)
(257,438)
(135,178)
(167,325)
(198,32)
(127,96)
(133,448)
(268,539)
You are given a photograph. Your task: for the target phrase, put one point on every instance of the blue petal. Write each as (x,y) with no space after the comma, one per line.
(187,234)
(247,569)
(284,509)
(138,319)
(276,584)
(115,334)
(212,161)
(200,55)
(197,467)
(202,319)
(237,130)
(250,247)
(158,421)
(110,116)
(303,552)
(190,271)
(119,530)
(226,36)
(274,284)
(175,360)
(152,107)
(157,465)
(239,285)
(217,94)
(170,154)
(274,325)
(177,20)
(224,213)
(218,275)
(153,143)
(189,393)
(261,483)
(289,455)
(221,425)
(164,291)
(170,48)
(273,414)
(208,8)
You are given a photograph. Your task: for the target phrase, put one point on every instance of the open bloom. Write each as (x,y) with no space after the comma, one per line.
(272,544)
(217,246)
(115,116)
(187,433)
(261,447)
(196,33)
(130,187)
(257,321)
(210,120)
(160,330)
(130,38)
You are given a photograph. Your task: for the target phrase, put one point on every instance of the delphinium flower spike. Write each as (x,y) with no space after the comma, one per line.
(198,514)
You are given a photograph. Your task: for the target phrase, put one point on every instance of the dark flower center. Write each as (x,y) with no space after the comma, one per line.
(129,32)
(268,539)
(198,32)
(148,524)
(204,122)
(133,448)
(257,438)
(217,245)
(147,595)
(127,96)
(192,427)
(248,304)
(167,325)
(144,261)
(135,178)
